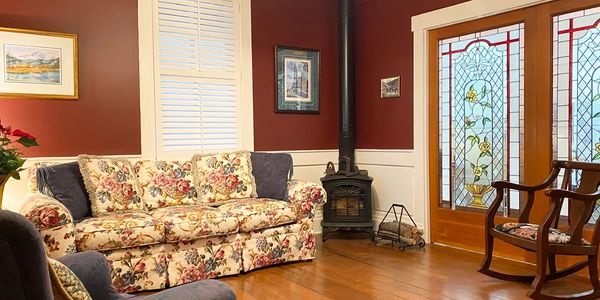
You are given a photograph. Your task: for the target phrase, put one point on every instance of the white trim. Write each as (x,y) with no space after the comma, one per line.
(146,69)
(467,11)
(459,13)
(247,102)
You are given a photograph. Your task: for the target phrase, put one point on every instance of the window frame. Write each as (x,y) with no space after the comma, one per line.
(149,85)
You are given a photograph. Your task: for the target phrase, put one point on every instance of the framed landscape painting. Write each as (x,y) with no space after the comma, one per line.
(297,80)
(38,64)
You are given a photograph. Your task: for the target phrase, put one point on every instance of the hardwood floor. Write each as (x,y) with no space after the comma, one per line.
(355,269)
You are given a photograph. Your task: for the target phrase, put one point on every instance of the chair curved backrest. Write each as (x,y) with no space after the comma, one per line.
(24,273)
(580,212)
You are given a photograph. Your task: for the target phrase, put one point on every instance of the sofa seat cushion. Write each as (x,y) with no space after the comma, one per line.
(529,232)
(254,214)
(118,231)
(185,223)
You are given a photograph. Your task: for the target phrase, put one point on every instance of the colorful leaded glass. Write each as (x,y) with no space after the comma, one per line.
(576,55)
(481,115)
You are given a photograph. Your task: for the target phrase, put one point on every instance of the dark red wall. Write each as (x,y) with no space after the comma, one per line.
(299,23)
(106,117)
(384,48)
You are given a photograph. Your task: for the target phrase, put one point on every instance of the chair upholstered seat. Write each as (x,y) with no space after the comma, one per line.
(255,214)
(118,231)
(528,231)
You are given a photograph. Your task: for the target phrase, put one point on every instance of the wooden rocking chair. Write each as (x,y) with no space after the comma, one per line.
(555,242)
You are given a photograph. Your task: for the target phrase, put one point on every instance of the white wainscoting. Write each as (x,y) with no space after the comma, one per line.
(392,170)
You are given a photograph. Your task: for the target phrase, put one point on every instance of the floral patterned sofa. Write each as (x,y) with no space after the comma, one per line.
(162,224)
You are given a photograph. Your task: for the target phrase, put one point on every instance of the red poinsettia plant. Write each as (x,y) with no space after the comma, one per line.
(11,162)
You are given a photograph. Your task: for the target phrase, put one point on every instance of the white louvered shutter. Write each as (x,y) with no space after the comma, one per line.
(198,76)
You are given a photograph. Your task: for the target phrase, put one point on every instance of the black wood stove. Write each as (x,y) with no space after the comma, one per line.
(349,189)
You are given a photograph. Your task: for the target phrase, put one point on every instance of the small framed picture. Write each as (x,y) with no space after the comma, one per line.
(38,64)
(390,87)
(297,80)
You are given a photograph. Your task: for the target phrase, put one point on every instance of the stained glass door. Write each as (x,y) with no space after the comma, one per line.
(481,116)
(576,89)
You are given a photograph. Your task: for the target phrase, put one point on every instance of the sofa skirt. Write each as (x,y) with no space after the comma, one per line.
(166,265)
(272,246)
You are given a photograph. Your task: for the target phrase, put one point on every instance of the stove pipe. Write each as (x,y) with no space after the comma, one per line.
(347,109)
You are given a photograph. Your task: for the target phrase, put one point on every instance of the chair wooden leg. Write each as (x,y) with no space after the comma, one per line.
(593,269)
(535,291)
(552,263)
(487,261)
(487,257)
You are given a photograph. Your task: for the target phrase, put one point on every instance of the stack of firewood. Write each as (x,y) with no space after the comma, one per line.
(404,232)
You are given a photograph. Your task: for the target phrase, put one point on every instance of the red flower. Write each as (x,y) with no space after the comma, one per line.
(48,217)
(285,243)
(19,133)
(220,254)
(190,274)
(139,267)
(127,190)
(231,181)
(183,186)
(309,243)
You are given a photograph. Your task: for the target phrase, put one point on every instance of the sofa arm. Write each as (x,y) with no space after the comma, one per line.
(54,222)
(305,197)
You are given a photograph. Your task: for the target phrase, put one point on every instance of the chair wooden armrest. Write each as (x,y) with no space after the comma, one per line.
(559,193)
(502,184)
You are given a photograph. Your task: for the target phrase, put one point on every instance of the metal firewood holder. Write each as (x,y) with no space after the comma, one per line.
(384,232)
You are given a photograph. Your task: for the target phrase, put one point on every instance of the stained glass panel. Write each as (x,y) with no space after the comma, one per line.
(481,115)
(576,70)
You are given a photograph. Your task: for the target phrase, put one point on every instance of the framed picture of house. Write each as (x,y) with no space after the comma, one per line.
(297,80)
(38,64)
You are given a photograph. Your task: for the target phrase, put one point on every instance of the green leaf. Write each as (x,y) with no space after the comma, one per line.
(596,115)
(596,98)
(485,172)
(472,166)
(484,166)
(15,175)
(476,178)
(596,156)
(27,142)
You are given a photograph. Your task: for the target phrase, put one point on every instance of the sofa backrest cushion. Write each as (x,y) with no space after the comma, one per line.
(222,177)
(272,172)
(64,183)
(166,183)
(111,184)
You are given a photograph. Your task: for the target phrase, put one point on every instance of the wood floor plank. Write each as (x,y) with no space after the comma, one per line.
(356,269)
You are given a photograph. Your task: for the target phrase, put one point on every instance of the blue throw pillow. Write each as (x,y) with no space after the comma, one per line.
(64,183)
(272,172)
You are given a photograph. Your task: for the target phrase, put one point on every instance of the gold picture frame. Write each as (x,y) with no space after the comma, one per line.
(38,64)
